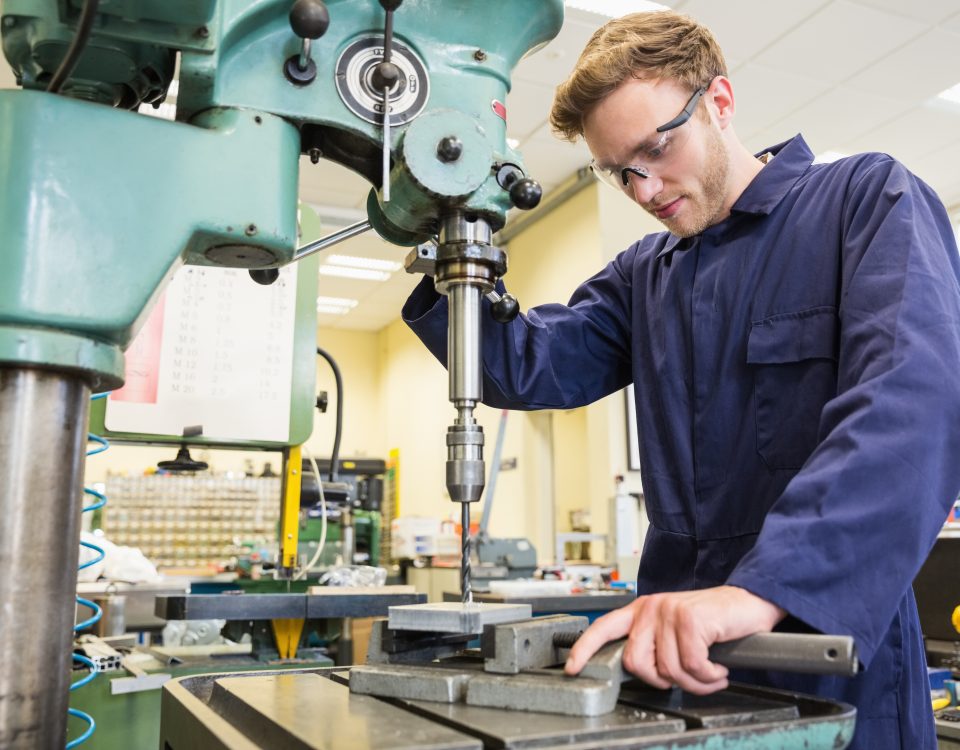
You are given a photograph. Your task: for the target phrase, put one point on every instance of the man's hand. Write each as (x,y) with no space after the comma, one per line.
(669,635)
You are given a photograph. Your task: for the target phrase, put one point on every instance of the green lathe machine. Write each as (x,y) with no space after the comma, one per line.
(101,204)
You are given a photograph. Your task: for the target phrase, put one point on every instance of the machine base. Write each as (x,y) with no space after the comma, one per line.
(315,709)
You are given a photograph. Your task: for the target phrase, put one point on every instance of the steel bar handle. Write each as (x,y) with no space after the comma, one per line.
(331,239)
(790,652)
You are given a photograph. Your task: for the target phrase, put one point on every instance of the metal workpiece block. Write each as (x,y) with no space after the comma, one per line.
(409,682)
(553,693)
(549,692)
(593,692)
(518,646)
(454,617)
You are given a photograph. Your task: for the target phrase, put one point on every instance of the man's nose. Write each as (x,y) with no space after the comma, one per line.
(644,189)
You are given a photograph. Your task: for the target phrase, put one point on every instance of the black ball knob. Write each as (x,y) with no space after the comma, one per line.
(265,276)
(385,76)
(390,5)
(526,193)
(309,19)
(449,149)
(505,309)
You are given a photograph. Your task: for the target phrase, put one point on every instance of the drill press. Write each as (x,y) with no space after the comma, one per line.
(97,196)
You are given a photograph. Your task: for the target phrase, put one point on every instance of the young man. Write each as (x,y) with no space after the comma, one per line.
(793,341)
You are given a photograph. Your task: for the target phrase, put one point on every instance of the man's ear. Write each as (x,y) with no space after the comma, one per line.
(719,99)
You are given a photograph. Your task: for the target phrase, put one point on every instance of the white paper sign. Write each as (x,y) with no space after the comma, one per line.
(217,351)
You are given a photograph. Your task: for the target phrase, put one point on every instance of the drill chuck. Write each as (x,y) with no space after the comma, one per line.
(465,468)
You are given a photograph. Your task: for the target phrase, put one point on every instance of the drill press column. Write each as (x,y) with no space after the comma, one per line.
(467,268)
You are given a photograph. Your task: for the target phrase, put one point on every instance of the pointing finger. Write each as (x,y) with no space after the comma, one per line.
(610,627)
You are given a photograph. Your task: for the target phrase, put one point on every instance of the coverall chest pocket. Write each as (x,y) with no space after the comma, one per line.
(794,360)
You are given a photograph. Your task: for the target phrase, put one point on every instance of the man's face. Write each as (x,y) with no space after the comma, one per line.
(685,191)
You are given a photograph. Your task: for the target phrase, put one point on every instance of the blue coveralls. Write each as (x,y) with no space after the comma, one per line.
(797,374)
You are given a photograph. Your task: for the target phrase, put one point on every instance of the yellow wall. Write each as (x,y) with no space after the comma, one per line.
(357,353)
(415,415)
(547,263)
(413,388)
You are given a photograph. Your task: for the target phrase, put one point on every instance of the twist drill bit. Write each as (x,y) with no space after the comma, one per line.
(466,592)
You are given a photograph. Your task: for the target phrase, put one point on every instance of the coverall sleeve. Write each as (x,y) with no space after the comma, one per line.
(842,544)
(554,356)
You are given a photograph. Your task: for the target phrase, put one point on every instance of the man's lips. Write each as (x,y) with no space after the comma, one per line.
(670,209)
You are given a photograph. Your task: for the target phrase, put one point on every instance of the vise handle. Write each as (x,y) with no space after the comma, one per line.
(790,652)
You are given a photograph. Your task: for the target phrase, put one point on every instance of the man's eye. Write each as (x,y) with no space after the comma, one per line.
(657,150)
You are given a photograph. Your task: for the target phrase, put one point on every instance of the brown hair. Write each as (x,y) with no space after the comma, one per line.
(659,44)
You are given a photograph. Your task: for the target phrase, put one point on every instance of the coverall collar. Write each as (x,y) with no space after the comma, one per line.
(768,188)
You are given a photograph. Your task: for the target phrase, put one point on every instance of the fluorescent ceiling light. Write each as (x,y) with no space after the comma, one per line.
(338,302)
(363,274)
(828,156)
(615,8)
(952,94)
(353,261)
(332,310)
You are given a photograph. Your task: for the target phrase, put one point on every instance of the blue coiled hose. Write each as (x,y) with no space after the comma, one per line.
(100,501)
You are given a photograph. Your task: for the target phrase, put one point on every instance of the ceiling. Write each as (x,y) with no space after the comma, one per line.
(851,75)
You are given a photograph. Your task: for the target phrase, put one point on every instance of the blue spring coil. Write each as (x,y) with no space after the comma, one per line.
(99,501)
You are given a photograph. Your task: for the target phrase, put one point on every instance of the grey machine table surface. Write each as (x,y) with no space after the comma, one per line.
(314,709)
(428,689)
(590,601)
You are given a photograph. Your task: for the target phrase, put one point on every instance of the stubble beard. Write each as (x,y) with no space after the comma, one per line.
(706,204)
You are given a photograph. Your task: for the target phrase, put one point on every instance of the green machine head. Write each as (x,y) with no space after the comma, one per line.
(260,82)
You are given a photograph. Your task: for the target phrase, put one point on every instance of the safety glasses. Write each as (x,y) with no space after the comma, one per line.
(655,153)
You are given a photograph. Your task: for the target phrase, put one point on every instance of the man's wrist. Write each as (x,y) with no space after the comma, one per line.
(764,610)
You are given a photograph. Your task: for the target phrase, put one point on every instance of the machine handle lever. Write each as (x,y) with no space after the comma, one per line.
(790,652)
(385,77)
(505,306)
(331,239)
(784,652)
(309,20)
(525,193)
